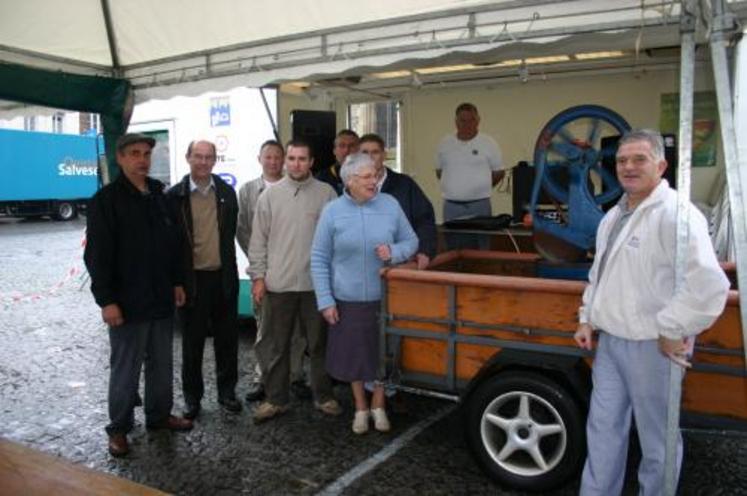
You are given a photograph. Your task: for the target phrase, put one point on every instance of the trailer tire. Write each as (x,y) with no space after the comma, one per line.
(525,430)
(65,211)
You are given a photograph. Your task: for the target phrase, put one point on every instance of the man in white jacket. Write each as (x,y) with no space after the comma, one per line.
(641,320)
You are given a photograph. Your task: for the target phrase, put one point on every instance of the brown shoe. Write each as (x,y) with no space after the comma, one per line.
(118,445)
(173,423)
(266,410)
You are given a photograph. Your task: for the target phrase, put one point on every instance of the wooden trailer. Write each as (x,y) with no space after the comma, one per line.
(481,328)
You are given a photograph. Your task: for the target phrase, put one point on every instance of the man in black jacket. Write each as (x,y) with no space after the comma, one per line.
(414,203)
(346,142)
(132,256)
(206,211)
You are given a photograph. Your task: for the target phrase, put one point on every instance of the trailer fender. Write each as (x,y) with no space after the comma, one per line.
(569,371)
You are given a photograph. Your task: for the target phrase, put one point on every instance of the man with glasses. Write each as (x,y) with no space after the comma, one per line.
(206,211)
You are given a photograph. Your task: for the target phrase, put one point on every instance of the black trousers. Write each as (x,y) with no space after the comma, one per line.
(132,345)
(210,310)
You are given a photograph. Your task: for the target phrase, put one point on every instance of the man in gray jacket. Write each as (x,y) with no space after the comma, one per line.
(279,264)
(271,155)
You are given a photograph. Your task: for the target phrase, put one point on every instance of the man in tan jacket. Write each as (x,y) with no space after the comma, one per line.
(279,264)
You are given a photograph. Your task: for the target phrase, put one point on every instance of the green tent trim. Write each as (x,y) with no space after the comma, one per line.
(111,98)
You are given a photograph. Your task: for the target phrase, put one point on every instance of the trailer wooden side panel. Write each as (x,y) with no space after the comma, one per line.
(451,325)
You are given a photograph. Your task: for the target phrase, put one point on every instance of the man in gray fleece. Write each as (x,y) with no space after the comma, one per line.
(279,265)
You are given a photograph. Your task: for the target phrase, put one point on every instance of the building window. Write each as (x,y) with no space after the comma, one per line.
(160,162)
(381,118)
(29,123)
(57,120)
(89,124)
(95,123)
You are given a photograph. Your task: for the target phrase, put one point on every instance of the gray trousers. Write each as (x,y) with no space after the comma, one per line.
(280,312)
(132,345)
(456,210)
(631,379)
(297,351)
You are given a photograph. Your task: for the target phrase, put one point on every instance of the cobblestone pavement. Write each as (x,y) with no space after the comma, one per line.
(53,379)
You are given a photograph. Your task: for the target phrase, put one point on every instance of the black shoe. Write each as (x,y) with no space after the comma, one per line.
(256,392)
(191,411)
(398,404)
(172,423)
(230,405)
(301,390)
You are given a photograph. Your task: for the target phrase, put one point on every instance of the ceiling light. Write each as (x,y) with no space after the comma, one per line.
(389,74)
(508,63)
(446,68)
(547,60)
(599,55)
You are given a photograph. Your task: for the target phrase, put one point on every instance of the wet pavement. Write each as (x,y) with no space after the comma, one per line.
(53,378)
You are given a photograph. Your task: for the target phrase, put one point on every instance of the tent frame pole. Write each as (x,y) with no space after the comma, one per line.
(688,24)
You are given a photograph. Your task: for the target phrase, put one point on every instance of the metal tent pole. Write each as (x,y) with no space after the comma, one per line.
(722,26)
(688,21)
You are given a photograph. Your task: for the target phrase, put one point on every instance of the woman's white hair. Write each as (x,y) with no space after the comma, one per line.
(353,163)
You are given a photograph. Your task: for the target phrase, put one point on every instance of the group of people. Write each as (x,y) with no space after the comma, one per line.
(316,246)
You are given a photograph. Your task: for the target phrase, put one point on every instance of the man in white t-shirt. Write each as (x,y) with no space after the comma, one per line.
(468,164)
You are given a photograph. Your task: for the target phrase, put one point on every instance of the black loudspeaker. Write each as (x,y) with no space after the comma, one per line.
(672,156)
(523,182)
(318,128)
(521,195)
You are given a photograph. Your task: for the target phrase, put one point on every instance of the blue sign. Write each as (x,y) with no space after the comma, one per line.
(229,178)
(220,111)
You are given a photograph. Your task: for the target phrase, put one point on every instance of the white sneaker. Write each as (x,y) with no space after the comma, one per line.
(381,421)
(360,421)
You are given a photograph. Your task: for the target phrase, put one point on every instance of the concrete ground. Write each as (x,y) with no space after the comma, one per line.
(53,379)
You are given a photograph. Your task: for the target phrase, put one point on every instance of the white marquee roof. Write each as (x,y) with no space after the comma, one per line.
(170,47)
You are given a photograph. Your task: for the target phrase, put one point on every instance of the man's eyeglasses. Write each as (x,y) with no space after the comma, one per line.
(206,158)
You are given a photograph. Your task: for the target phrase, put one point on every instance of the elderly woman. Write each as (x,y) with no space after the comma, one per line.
(356,236)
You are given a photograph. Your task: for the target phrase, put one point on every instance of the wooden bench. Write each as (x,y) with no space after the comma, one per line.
(30,472)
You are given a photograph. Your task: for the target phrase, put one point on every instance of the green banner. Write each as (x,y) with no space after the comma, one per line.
(705,124)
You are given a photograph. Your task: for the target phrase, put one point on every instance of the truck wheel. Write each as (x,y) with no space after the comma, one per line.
(526,431)
(65,211)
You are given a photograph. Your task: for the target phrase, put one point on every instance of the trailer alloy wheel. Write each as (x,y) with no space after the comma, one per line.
(65,211)
(525,430)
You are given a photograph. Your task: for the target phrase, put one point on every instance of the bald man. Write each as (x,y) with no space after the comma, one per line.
(207,211)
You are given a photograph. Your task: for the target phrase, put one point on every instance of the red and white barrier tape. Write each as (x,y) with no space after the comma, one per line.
(7,299)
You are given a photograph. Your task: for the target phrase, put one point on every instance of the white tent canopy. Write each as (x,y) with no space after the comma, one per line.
(175,47)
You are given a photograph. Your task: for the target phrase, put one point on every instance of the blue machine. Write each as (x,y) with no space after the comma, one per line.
(567,155)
